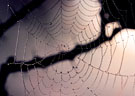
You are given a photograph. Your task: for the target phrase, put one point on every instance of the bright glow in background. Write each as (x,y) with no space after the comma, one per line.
(107,70)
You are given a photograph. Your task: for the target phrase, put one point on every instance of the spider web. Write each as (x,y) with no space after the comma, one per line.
(58,26)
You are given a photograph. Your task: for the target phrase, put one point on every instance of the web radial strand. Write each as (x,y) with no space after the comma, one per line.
(58,26)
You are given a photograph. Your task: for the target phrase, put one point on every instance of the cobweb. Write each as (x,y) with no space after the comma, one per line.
(60,25)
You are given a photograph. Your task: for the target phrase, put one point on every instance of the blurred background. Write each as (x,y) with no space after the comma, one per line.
(60,25)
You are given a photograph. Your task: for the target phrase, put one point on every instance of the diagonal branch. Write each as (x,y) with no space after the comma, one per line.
(38,62)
